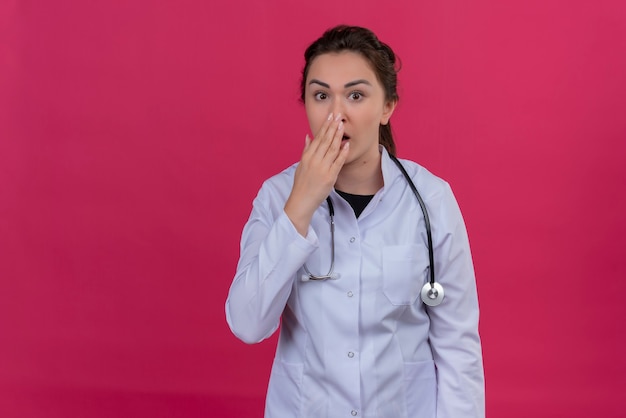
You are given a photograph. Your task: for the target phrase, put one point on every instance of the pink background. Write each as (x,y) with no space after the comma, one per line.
(135,134)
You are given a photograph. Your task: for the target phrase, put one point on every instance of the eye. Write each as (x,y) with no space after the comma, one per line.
(355,95)
(320,95)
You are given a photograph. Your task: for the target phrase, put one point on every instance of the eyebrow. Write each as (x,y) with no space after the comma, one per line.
(347,85)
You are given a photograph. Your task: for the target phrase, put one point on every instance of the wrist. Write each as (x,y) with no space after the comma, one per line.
(299,215)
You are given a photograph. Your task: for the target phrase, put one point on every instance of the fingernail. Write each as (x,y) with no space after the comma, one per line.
(338,116)
(340,125)
(330,117)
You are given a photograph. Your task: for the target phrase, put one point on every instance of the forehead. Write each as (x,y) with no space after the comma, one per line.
(340,68)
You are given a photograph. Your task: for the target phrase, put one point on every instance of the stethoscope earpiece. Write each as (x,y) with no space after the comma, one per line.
(432,294)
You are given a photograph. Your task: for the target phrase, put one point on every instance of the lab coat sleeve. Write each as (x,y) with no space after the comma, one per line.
(453,332)
(272,251)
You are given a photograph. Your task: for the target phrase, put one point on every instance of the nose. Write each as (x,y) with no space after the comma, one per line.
(338,107)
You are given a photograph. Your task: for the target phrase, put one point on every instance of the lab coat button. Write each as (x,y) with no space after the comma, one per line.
(354,413)
(350,294)
(350,354)
(352,239)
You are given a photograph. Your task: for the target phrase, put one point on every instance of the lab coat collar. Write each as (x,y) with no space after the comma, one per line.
(389,169)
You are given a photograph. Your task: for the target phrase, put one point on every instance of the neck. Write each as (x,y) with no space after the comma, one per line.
(361,177)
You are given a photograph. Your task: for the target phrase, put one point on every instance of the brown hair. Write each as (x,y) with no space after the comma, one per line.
(380,56)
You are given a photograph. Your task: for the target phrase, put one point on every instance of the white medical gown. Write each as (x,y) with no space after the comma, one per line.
(362,344)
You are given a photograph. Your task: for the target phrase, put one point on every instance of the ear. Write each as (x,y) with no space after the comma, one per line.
(388,109)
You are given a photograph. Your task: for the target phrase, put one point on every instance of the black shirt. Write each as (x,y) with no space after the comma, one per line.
(357,201)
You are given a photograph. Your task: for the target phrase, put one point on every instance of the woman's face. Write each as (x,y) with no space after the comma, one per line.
(345,83)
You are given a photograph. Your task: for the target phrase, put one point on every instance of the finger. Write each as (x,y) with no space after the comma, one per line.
(341,158)
(335,142)
(307,145)
(325,127)
(327,140)
(312,147)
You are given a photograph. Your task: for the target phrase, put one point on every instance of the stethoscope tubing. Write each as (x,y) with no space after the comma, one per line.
(429,235)
(432,293)
(329,275)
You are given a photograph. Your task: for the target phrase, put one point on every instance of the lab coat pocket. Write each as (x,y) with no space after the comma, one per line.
(283,393)
(421,388)
(404,272)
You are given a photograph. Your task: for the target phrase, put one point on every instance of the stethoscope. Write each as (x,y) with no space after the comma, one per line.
(432,293)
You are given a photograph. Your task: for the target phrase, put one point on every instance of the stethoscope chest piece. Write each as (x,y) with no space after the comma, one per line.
(432,294)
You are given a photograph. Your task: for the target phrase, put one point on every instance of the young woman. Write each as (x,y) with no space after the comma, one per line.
(356,340)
